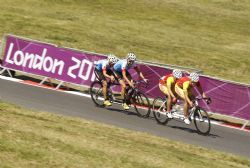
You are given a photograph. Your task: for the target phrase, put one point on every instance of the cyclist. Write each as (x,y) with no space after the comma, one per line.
(184,88)
(121,71)
(167,85)
(103,71)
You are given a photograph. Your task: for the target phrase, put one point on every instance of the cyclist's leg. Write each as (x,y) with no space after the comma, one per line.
(123,86)
(125,95)
(104,88)
(164,90)
(185,110)
(180,94)
(102,78)
(130,90)
(123,89)
(118,76)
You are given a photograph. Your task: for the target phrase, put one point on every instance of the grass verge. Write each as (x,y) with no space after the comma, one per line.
(39,139)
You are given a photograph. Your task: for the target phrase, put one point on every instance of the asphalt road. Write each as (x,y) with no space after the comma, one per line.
(221,138)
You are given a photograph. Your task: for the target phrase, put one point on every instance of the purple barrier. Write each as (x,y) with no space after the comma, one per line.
(227,98)
(77,67)
(49,61)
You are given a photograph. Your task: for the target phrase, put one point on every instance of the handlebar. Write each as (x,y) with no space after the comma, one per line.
(207,99)
(136,83)
(140,81)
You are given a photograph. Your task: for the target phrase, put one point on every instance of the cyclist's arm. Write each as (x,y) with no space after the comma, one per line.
(139,72)
(125,77)
(104,71)
(185,90)
(201,90)
(169,84)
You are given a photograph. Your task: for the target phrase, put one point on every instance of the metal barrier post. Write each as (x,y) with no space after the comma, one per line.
(243,127)
(2,71)
(9,73)
(59,85)
(6,69)
(44,79)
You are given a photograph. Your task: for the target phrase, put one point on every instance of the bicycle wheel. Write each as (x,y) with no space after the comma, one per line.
(141,104)
(202,121)
(159,110)
(96,93)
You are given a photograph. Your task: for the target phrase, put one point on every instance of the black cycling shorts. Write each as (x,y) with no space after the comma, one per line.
(119,75)
(100,76)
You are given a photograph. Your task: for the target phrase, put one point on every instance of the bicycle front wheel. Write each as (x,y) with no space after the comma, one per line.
(159,110)
(141,104)
(202,121)
(96,93)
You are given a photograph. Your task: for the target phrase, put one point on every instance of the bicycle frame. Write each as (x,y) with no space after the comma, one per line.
(162,106)
(181,116)
(198,115)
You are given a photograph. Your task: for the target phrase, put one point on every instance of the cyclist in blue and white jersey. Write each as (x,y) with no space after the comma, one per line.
(121,71)
(103,71)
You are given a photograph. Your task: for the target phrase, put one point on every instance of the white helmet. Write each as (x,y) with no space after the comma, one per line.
(112,59)
(177,73)
(116,59)
(131,56)
(194,77)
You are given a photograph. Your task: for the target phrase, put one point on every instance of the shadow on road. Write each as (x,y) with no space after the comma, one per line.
(190,130)
(121,111)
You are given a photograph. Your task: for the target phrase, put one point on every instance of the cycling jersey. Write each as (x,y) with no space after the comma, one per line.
(122,65)
(167,80)
(185,83)
(102,65)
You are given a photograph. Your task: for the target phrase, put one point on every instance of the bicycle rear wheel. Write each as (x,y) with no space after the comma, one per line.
(96,93)
(159,110)
(141,104)
(202,121)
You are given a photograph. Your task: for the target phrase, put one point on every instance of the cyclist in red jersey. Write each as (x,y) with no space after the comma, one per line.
(166,85)
(184,87)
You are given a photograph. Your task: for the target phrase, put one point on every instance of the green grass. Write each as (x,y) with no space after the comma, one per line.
(211,35)
(39,139)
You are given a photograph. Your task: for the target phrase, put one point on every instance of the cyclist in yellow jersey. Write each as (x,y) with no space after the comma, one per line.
(184,87)
(166,85)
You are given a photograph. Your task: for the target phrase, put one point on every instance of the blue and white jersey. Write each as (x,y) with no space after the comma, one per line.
(102,65)
(122,65)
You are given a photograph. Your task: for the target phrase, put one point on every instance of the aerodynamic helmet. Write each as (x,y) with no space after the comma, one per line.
(194,77)
(112,59)
(177,73)
(131,56)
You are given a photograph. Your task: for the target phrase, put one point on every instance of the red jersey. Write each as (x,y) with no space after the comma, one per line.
(180,82)
(164,79)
